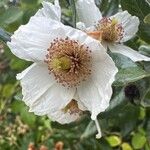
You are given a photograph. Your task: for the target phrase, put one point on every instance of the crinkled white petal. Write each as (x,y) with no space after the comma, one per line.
(88,12)
(50,11)
(95,93)
(82,38)
(127,51)
(62,117)
(129,23)
(31,41)
(79,102)
(91,98)
(35,81)
(103,74)
(54,99)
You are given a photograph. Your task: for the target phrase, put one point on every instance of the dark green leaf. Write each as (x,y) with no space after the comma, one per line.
(141,9)
(136,7)
(147,19)
(145,49)
(130,74)
(129,71)
(73,7)
(89,131)
(112,8)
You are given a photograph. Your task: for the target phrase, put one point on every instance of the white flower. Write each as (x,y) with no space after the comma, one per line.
(71,72)
(112,31)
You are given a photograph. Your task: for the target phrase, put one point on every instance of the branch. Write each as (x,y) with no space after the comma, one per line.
(4,36)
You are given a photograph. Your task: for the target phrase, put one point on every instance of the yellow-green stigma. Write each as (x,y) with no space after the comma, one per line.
(62,63)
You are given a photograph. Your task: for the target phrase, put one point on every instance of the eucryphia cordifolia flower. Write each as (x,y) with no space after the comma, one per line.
(71,72)
(111,31)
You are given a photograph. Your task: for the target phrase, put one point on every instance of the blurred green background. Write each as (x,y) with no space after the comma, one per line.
(125,124)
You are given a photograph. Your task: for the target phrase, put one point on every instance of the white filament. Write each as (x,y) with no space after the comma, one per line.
(99,134)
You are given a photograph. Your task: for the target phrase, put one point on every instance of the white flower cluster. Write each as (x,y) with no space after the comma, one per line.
(71,71)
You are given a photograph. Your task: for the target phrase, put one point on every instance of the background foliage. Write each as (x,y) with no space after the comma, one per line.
(125,124)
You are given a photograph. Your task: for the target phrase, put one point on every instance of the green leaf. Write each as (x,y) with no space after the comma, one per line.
(117,103)
(8,90)
(103,145)
(129,71)
(113,140)
(141,9)
(147,146)
(145,49)
(148,127)
(89,131)
(19,107)
(131,74)
(147,19)
(112,8)
(103,4)
(121,61)
(138,141)
(146,99)
(142,113)
(29,2)
(16,64)
(127,119)
(144,88)
(136,7)
(73,7)
(126,146)
(10,16)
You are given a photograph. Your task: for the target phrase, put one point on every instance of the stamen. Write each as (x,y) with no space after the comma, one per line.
(69,61)
(99,134)
(110,29)
(72,108)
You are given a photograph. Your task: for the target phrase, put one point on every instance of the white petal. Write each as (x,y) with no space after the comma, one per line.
(88,12)
(80,104)
(127,51)
(54,99)
(35,81)
(62,117)
(129,23)
(103,75)
(82,38)
(96,93)
(50,11)
(31,41)
(91,98)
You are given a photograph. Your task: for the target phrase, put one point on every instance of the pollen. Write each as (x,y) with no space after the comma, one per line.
(69,62)
(72,108)
(110,29)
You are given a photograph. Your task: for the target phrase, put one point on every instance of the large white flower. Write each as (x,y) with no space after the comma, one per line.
(71,72)
(111,31)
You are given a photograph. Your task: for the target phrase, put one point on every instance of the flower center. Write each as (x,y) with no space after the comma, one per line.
(108,30)
(72,108)
(69,61)
(62,63)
